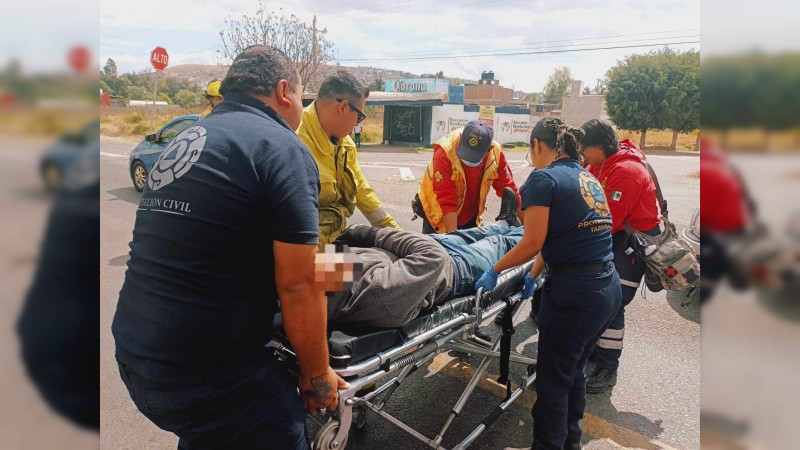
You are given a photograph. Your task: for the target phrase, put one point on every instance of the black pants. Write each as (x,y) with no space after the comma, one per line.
(260,411)
(576,308)
(427,228)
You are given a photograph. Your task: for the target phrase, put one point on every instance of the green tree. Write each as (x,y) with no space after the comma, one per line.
(119,85)
(186,98)
(557,85)
(751,90)
(532,97)
(104,86)
(657,90)
(110,69)
(139,93)
(635,96)
(682,92)
(163,97)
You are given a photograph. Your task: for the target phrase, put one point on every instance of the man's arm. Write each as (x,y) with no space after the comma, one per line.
(304,313)
(622,194)
(445,189)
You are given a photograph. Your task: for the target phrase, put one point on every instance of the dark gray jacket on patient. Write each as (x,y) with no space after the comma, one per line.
(403,274)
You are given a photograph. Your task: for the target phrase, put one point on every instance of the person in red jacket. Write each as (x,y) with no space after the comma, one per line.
(726,210)
(631,195)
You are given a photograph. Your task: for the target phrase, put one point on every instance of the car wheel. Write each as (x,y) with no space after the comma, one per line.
(139,175)
(51,174)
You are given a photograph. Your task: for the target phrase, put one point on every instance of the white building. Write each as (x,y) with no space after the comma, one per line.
(578,108)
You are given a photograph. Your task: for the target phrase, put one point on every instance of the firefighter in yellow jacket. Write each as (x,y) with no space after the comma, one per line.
(213,96)
(325,129)
(466,163)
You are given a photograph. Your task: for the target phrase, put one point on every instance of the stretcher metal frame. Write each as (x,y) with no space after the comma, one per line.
(457,333)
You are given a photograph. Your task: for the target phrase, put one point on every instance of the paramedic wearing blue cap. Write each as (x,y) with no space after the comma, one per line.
(566,219)
(466,163)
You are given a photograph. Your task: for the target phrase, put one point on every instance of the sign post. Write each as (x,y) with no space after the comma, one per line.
(159,59)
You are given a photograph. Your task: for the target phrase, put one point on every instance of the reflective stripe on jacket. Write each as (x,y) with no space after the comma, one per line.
(427,196)
(342,185)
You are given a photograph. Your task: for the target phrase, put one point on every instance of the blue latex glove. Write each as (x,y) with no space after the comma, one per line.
(487,281)
(531,284)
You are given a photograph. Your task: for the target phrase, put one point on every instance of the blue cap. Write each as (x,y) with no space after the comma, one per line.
(476,140)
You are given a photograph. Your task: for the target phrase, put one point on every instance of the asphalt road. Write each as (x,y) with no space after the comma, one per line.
(656,403)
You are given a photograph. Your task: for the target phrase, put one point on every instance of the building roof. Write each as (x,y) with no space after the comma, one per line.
(399,98)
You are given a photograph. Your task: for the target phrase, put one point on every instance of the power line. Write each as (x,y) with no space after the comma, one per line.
(539,52)
(528,46)
(443,54)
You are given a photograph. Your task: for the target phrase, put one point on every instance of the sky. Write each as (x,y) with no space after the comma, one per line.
(386,29)
(384,33)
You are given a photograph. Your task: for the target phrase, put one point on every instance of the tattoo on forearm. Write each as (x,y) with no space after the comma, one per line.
(320,388)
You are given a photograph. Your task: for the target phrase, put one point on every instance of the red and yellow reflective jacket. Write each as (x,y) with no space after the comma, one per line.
(449,186)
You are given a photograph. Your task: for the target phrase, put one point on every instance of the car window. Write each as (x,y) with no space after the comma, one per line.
(172,130)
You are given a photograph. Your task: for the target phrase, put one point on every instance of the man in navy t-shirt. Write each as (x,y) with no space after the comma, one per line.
(226,226)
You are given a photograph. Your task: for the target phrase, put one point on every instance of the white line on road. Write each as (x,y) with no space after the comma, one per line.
(112,155)
(405,172)
(406,175)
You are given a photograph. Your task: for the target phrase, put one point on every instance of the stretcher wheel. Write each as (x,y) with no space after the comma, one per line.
(359,416)
(326,437)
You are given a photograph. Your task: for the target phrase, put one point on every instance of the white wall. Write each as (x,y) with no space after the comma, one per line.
(578,108)
(507,127)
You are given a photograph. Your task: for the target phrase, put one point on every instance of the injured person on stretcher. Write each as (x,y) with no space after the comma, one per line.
(385,277)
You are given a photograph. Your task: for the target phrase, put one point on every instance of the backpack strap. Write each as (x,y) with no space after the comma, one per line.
(662,203)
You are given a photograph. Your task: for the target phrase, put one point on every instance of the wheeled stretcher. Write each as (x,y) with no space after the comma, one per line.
(365,357)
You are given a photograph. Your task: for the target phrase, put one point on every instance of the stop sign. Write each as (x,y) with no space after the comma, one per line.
(79,58)
(159,58)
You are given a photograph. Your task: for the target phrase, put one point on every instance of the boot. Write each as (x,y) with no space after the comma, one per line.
(508,208)
(601,380)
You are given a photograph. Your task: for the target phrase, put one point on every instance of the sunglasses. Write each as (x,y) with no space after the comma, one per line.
(361,115)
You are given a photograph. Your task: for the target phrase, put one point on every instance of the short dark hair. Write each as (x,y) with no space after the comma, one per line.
(601,134)
(342,84)
(558,135)
(257,70)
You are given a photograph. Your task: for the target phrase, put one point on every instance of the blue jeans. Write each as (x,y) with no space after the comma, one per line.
(475,250)
(575,309)
(262,410)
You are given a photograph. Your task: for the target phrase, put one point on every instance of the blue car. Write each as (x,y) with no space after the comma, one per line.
(145,154)
(60,156)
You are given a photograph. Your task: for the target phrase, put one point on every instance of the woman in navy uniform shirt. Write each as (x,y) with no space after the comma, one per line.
(566,219)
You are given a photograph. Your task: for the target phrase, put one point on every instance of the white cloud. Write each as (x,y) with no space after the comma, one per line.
(364,29)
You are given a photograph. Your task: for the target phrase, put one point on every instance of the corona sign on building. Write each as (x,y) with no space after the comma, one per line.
(418,85)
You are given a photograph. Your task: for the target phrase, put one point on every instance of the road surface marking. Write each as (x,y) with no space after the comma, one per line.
(405,172)
(113,155)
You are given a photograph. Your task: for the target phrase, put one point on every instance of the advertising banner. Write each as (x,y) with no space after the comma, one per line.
(507,127)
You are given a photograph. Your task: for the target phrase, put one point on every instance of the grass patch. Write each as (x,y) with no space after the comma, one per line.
(135,122)
(44,122)
(661,139)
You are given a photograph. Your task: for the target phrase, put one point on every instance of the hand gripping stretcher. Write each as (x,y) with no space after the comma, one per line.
(368,356)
